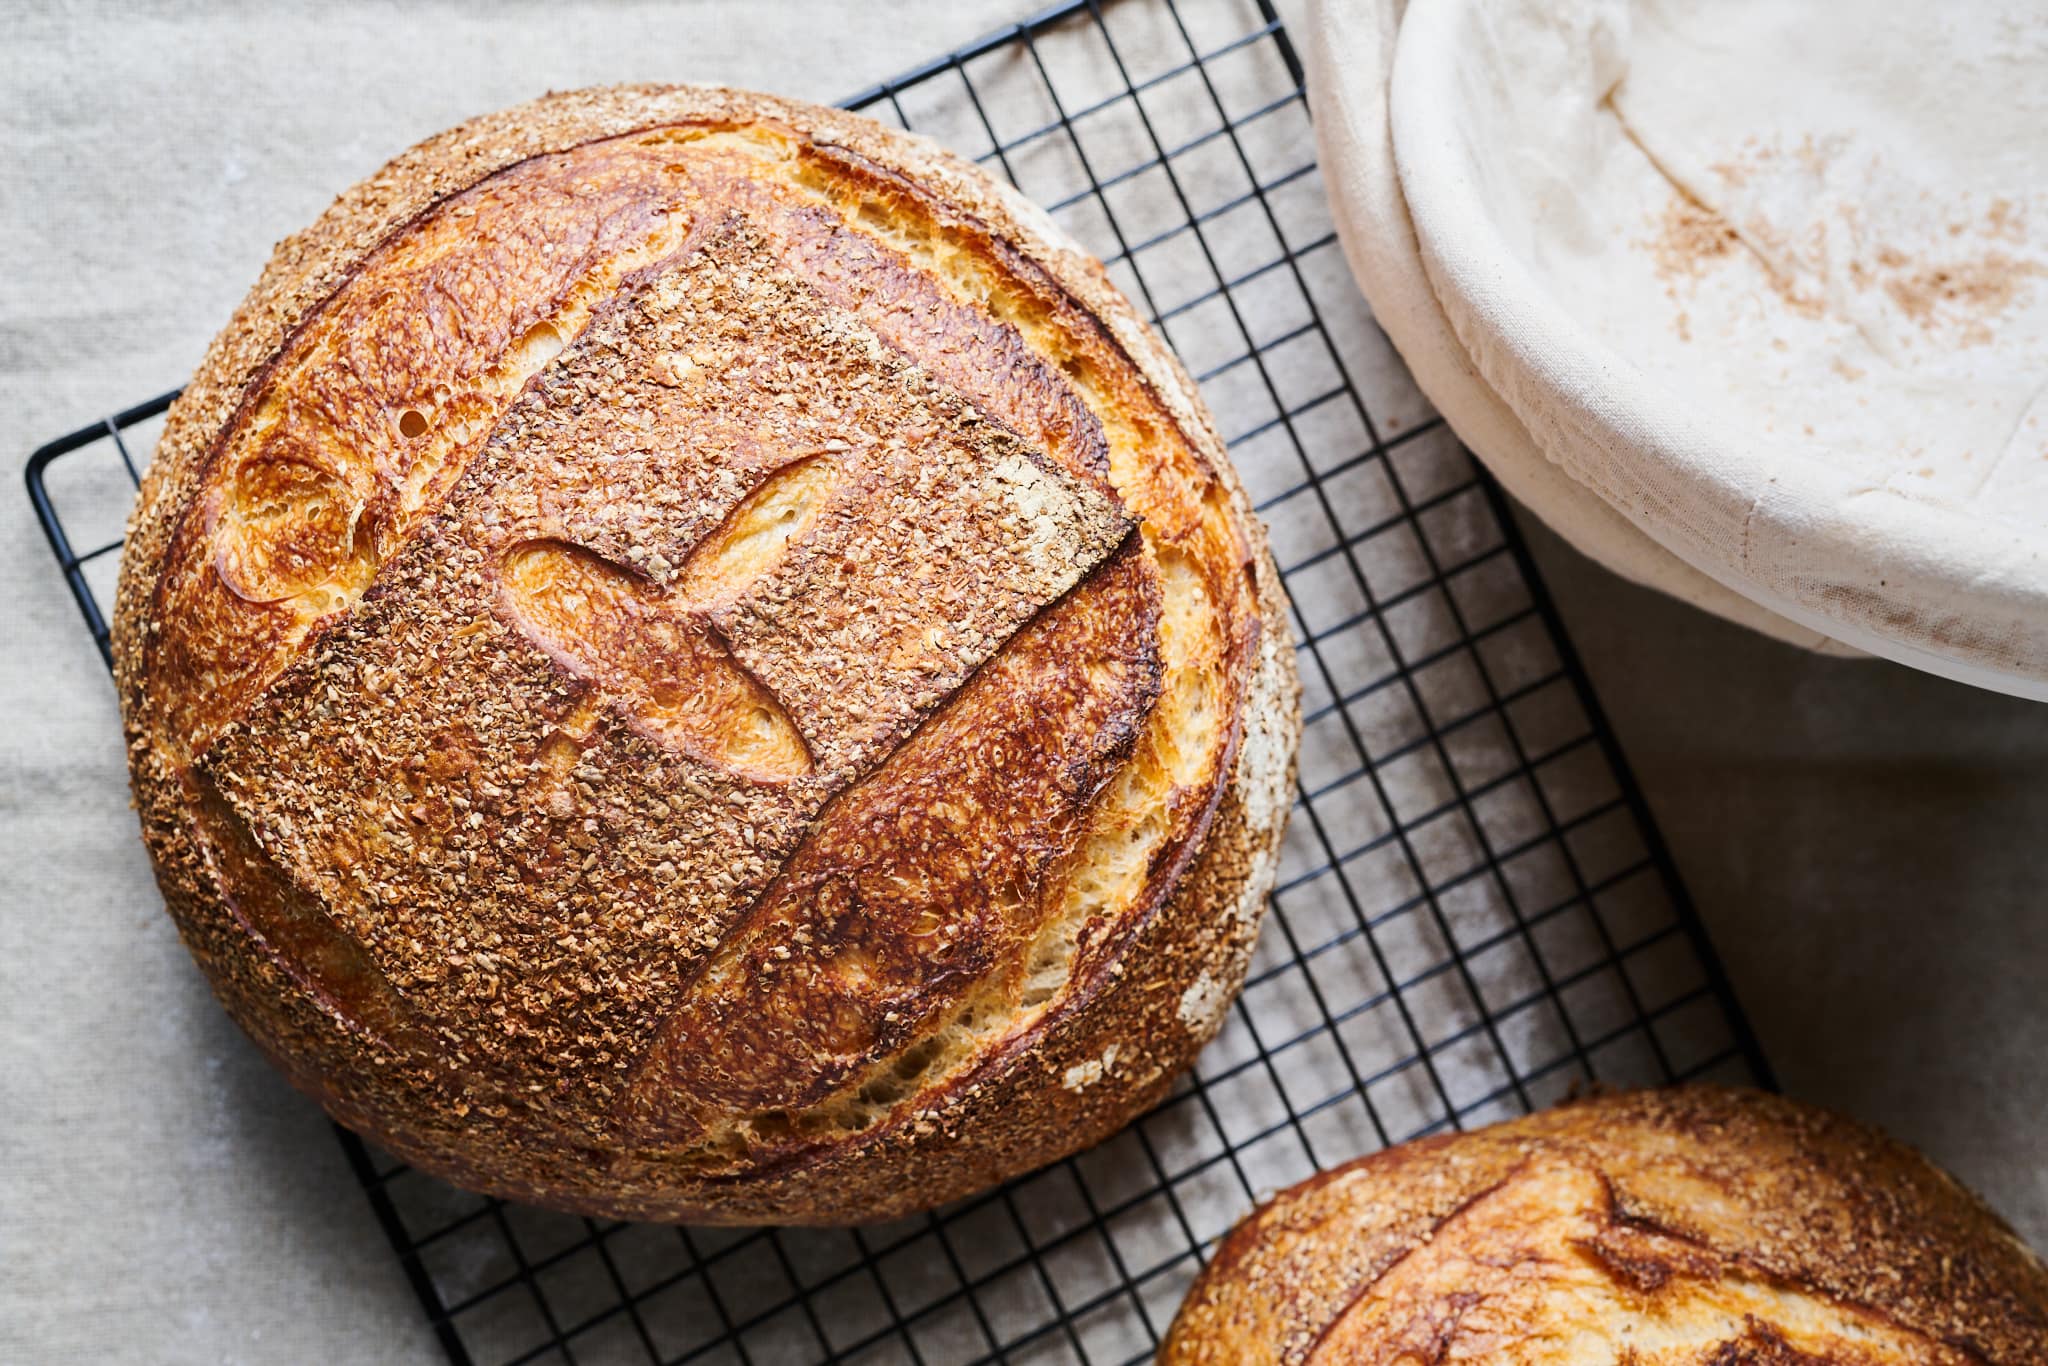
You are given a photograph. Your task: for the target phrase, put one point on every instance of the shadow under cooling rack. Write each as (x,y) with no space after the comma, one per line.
(1474,915)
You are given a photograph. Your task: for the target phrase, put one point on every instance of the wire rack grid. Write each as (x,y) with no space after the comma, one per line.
(1474,914)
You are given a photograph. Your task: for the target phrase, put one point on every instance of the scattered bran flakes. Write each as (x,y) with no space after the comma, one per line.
(1690,236)
(1966,294)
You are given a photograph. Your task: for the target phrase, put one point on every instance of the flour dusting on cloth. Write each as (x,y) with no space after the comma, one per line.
(1852,230)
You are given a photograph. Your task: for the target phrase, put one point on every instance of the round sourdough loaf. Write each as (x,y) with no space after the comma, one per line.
(688,656)
(1700,1226)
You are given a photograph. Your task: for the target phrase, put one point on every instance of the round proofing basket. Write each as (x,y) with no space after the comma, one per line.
(1350,58)
(1922,583)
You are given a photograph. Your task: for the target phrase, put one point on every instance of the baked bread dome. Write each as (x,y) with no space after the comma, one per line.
(687,656)
(1700,1226)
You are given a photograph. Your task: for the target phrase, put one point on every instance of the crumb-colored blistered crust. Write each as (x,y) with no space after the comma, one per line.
(686,656)
(1695,1226)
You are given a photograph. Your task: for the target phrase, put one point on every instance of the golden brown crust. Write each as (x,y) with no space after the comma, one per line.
(1696,1226)
(834,969)
(684,656)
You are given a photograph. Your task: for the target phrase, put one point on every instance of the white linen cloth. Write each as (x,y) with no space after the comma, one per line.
(1766,278)
(1350,55)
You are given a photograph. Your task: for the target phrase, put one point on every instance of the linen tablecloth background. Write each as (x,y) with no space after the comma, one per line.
(1869,846)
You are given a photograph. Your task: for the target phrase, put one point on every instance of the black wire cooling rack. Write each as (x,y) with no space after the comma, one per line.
(1474,916)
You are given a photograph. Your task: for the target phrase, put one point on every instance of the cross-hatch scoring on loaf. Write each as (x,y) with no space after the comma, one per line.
(858,628)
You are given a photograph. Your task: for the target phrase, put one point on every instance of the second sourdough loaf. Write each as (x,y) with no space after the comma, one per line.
(1695,1226)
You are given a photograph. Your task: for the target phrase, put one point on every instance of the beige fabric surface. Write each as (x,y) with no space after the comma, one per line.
(1864,841)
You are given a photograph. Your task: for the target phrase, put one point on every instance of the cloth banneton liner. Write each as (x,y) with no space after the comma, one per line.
(1350,60)
(1767,278)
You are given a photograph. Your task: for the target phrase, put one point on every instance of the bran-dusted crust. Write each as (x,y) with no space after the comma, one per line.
(686,656)
(1694,1226)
